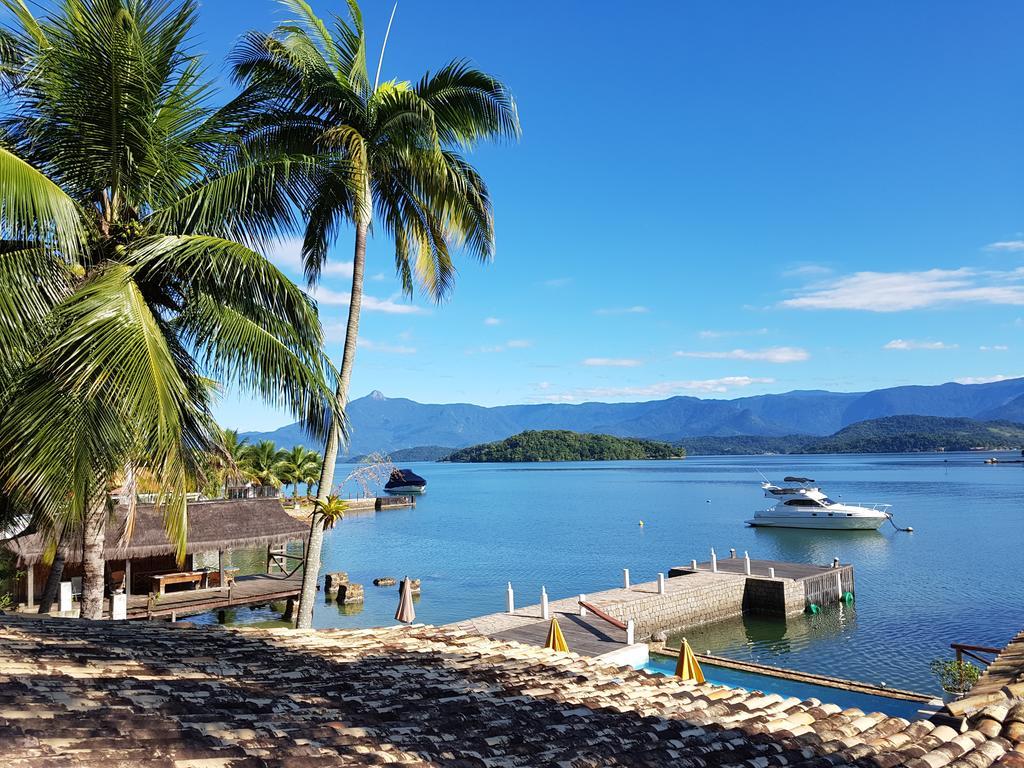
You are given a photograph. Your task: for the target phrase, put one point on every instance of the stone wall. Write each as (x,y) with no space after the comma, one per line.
(718,597)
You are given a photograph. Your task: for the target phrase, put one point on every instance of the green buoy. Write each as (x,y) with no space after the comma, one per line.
(813,608)
(847,597)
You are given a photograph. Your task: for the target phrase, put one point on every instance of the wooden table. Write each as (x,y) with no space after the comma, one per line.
(195,578)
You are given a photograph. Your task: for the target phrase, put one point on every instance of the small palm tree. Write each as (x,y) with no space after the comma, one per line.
(296,466)
(131,214)
(265,464)
(329,510)
(388,150)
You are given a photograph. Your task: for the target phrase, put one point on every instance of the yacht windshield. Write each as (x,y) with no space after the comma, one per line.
(827,502)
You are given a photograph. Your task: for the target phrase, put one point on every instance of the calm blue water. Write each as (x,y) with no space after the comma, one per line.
(665,665)
(573,528)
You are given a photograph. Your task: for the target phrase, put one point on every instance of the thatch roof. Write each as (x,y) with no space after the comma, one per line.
(212,526)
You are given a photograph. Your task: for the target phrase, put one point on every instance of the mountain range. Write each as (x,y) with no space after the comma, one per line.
(387,424)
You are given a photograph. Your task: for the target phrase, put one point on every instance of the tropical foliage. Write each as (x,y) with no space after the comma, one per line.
(389,156)
(563,445)
(131,283)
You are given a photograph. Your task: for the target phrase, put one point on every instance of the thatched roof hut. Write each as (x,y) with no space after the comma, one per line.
(212,526)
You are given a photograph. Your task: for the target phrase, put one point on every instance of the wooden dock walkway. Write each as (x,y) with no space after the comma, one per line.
(246,591)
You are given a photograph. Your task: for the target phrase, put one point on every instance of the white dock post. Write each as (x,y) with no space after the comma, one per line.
(771,573)
(746,562)
(510,599)
(661,583)
(64,601)
(583,611)
(714,561)
(839,585)
(119,606)
(693,565)
(625,578)
(732,554)
(630,632)
(545,613)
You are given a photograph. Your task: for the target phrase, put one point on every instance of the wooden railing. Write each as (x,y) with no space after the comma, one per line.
(278,557)
(602,615)
(962,649)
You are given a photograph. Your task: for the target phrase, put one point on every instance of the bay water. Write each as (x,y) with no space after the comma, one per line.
(573,527)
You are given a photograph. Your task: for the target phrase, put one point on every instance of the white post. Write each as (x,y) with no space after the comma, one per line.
(746,563)
(545,613)
(714,561)
(839,585)
(583,611)
(119,607)
(771,573)
(630,639)
(732,553)
(661,583)
(693,565)
(510,599)
(64,600)
(625,578)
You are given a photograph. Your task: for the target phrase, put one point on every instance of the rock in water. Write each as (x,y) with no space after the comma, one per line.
(384,581)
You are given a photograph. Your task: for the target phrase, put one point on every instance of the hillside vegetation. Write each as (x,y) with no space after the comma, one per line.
(891,434)
(563,445)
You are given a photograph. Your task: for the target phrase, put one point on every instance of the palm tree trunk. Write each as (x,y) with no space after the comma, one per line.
(93,562)
(311,572)
(53,580)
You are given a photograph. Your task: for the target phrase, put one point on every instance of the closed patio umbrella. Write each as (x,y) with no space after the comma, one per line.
(405,613)
(687,667)
(556,640)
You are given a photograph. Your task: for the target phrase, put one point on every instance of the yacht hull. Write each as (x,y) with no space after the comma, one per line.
(821,522)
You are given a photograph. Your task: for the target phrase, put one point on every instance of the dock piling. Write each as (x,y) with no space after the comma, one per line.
(746,562)
(625,578)
(661,583)
(732,553)
(545,612)
(771,573)
(839,585)
(630,632)
(693,565)
(583,610)
(510,599)
(714,561)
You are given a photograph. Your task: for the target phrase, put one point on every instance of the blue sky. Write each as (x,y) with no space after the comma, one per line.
(710,199)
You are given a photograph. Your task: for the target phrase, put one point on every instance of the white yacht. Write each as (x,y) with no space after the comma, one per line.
(800,504)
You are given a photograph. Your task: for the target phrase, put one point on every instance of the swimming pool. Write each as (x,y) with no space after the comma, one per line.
(752,681)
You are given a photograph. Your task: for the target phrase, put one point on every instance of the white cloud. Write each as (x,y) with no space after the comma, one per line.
(391,349)
(1006,245)
(492,321)
(510,344)
(908,344)
(723,334)
(807,270)
(287,256)
(657,390)
(557,282)
(635,310)
(984,379)
(768,355)
(612,362)
(993,348)
(900,291)
(391,306)
(519,343)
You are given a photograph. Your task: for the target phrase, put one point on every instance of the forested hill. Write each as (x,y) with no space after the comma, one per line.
(892,434)
(563,445)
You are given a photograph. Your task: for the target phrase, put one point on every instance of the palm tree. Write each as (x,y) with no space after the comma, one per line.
(264,464)
(386,150)
(297,466)
(131,212)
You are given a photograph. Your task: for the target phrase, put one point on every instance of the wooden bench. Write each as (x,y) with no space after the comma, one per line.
(195,578)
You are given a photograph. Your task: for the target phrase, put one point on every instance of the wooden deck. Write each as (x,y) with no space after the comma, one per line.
(582,635)
(247,590)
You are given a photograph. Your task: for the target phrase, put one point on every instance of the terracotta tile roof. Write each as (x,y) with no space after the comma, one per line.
(113,694)
(995,706)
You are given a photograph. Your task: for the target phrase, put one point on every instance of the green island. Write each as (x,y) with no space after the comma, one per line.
(890,434)
(565,445)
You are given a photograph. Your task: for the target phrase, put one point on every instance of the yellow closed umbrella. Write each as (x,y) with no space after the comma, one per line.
(556,640)
(687,667)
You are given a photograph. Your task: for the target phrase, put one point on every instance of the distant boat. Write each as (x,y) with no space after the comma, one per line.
(405,481)
(799,504)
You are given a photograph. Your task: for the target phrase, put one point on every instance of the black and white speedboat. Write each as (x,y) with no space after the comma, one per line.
(405,481)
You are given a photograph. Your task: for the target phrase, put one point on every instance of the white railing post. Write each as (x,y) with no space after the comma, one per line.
(732,553)
(771,573)
(545,613)
(661,583)
(693,565)
(714,561)
(583,611)
(630,639)
(839,585)
(625,578)
(746,562)
(510,599)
